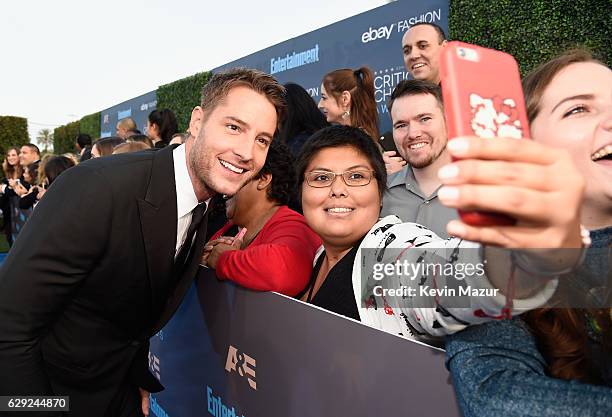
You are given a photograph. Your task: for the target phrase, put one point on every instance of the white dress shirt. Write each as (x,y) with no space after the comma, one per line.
(186,199)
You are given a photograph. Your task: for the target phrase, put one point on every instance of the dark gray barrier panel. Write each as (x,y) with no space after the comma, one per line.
(138,108)
(372,38)
(265,355)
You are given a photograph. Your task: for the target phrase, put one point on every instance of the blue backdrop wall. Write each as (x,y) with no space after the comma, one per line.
(372,39)
(137,108)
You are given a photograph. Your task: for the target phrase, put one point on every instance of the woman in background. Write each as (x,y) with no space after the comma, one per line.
(161,126)
(28,193)
(275,250)
(141,139)
(347,98)
(555,361)
(8,198)
(303,118)
(129,147)
(105,146)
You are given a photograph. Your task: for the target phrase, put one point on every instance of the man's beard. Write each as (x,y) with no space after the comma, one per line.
(423,162)
(201,162)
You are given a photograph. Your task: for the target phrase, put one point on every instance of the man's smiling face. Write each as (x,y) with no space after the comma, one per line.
(421,46)
(231,141)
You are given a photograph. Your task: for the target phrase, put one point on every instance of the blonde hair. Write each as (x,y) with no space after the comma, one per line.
(130,147)
(128,123)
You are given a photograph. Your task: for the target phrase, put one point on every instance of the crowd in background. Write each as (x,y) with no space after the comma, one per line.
(268,235)
(28,173)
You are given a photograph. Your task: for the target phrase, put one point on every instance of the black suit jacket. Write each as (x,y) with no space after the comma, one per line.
(89,280)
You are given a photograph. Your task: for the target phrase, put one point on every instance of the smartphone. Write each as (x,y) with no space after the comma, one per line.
(483,96)
(241,233)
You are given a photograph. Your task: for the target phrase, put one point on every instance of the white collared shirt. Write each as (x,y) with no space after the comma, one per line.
(186,199)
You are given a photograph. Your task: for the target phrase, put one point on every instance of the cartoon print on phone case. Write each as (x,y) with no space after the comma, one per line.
(495,116)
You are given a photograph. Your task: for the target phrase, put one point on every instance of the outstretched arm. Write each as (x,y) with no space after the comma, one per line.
(498,371)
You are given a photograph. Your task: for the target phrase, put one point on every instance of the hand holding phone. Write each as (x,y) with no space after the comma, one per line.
(535,184)
(483,97)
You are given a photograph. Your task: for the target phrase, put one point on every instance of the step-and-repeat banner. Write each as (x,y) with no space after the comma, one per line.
(372,39)
(137,108)
(232,352)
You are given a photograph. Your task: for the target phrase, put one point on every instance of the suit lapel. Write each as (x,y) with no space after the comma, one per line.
(158,218)
(188,273)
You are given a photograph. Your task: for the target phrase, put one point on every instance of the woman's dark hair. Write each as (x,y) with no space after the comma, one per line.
(33,172)
(360,83)
(339,136)
(303,117)
(166,123)
(83,140)
(105,146)
(280,165)
(55,166)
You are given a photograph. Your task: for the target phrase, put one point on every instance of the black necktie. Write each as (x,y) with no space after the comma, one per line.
(196,218)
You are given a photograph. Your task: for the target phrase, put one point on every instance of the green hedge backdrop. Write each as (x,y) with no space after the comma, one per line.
(64,137)
(182,96)
(13,132)
(534,30)
(90,124)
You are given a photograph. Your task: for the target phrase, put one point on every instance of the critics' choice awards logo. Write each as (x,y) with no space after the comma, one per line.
(242,364)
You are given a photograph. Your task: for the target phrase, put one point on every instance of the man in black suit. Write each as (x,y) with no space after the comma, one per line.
(107,256)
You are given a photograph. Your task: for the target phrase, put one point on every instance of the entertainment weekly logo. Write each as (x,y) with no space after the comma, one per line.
(385,31)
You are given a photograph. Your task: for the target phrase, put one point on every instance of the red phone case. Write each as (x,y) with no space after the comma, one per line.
(482,94)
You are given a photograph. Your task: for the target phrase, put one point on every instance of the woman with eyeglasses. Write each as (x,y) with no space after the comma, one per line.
(342,177)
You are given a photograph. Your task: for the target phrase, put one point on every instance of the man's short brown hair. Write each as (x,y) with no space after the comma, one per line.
(413,88)
(220,84)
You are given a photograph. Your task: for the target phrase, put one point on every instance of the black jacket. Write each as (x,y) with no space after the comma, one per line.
(89,280)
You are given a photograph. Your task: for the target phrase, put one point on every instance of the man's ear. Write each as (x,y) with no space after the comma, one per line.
(264,182)
(197,119)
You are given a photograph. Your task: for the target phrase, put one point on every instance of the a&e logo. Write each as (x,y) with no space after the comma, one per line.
(241,363)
